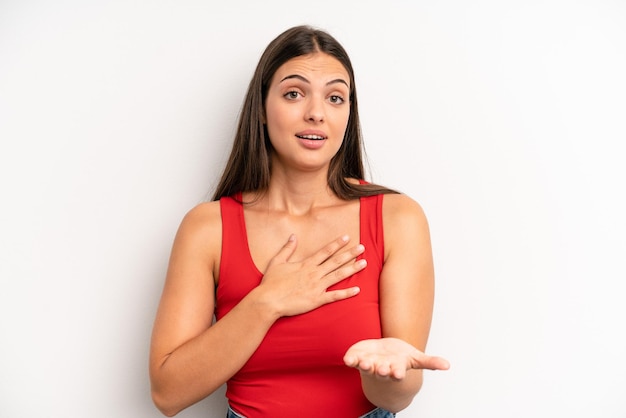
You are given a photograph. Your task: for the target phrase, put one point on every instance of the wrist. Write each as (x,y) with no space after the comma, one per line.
(263,305)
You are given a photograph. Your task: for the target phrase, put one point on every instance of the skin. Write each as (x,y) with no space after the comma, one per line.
(190,357)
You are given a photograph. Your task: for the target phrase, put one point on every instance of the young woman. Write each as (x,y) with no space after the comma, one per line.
(321,284)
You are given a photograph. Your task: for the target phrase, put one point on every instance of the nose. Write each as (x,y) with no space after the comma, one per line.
(315,111)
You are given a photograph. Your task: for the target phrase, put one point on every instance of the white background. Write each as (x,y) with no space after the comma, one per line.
(504,119)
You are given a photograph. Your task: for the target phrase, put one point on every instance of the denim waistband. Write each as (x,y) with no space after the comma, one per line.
(233,414)
(376,413)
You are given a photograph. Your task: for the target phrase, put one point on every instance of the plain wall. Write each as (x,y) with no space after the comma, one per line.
(504,119)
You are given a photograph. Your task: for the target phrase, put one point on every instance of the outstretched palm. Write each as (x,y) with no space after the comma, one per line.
(390,357)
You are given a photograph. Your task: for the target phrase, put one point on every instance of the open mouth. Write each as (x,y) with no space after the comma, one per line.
(311,137)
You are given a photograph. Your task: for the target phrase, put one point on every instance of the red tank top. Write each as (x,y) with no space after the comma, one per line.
(298,369)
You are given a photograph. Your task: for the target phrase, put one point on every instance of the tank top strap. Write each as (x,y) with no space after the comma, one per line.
(371,224)
(233,227)
(237,272)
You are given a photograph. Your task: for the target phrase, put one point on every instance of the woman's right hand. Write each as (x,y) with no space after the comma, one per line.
(293,288)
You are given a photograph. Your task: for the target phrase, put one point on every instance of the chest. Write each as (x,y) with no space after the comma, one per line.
(268,231)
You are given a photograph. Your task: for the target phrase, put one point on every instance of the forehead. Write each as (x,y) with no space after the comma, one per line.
(318,64)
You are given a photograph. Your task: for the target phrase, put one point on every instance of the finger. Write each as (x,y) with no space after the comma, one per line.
(329,250)
(343,272)
(360,361)
(366,366)
(431,363)
(340,259)
(350,360)
(286,251)
(397,373)
(383,369)
(337,295)
(440,363)
(352,356)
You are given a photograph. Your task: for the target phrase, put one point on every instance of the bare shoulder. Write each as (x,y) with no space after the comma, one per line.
(204,215)
(404,221)
(200,233)
(399,210)
(401,204)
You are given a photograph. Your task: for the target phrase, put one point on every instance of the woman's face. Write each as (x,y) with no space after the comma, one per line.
(307,110)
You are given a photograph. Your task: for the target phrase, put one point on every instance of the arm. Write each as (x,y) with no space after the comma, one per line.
(391,368)
(189,357)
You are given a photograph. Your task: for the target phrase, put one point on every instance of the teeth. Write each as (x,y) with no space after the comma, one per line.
(317,137)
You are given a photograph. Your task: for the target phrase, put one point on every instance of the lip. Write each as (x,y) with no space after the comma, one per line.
(311,144)
(312,132)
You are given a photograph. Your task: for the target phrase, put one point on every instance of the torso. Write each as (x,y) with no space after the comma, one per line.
(300,358)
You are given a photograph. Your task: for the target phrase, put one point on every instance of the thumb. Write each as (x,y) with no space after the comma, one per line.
(431,362)
(286,251)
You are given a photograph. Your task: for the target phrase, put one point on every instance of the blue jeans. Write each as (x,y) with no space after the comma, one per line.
(376,413)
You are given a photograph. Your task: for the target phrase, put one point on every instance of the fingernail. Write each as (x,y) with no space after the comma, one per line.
(360,247)
(362,263)
(345,238)
(292,237)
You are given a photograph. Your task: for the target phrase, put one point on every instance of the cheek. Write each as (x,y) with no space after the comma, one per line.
(275,127)
(278,117)
(341,122)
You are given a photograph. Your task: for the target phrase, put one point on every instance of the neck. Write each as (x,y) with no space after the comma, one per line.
(299,193)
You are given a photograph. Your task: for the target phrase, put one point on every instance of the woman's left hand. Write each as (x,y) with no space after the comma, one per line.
(390,358)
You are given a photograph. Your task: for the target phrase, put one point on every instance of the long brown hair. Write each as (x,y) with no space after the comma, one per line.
(249,164)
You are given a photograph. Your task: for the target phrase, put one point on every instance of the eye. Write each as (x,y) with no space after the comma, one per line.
(292,95)
(334,99)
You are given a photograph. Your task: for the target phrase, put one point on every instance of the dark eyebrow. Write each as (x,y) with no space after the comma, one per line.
(338,80)
(299,77)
